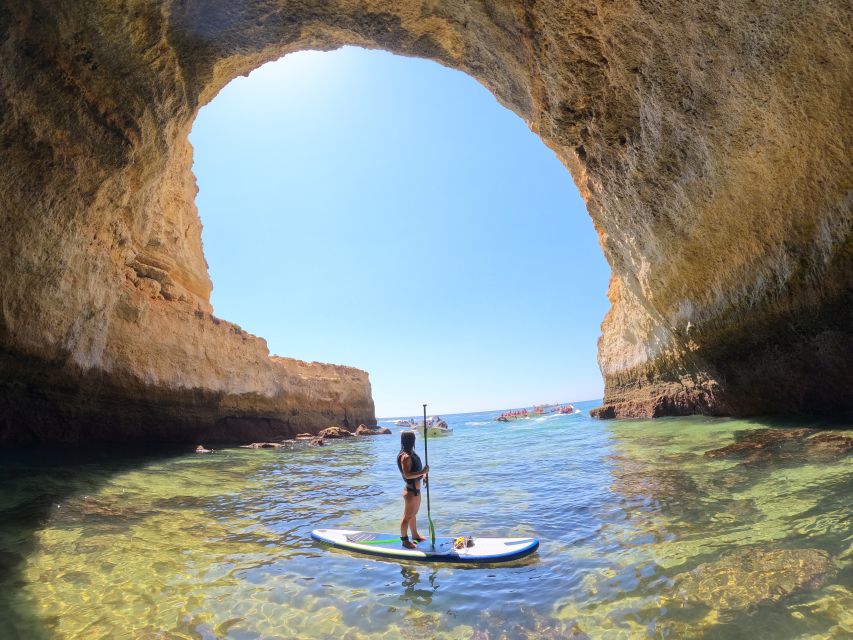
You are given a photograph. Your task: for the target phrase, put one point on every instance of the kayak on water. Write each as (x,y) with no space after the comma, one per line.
(447,549)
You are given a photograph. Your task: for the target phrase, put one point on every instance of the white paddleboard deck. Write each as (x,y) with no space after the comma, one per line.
(388,545)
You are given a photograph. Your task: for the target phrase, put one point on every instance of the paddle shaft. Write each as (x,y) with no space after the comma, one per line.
(426,461)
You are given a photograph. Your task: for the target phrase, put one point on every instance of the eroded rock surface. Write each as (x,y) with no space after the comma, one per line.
(367,431)
(748,578)
(711,143)
(262,445)
(335,432)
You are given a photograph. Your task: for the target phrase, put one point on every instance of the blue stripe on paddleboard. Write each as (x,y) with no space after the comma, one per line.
(428,556)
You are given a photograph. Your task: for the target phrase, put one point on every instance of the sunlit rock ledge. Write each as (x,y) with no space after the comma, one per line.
(204,381)
(711,144)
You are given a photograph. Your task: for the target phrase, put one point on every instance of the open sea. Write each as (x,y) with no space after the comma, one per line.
(642,536)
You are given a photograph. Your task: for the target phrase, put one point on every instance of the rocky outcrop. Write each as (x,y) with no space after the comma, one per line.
(367,431)
(262,445)
(335,432)
(710,142)
(232,392)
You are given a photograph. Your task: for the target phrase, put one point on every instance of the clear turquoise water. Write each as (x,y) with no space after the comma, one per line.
(217,546)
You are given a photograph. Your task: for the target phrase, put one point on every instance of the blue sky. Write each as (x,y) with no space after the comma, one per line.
(387,213)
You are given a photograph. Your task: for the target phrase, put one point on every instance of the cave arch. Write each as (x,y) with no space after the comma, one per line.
(323,175)
(711,147)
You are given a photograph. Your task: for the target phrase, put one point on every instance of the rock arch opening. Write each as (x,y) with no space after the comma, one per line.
(387,213)
(710,144)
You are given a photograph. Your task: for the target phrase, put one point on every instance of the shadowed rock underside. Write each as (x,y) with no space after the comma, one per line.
(711,144)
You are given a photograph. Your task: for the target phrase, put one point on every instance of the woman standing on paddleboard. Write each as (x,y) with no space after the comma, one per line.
(412,470)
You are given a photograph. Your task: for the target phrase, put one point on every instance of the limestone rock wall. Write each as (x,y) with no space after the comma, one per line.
(106,331)
(711,143)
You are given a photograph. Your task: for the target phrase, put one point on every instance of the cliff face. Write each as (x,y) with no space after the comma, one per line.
(712,146)
(106,332)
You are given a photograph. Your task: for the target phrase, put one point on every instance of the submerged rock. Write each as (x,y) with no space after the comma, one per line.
(663,485)
(526,624)
(102,508)
(750,577)
(755,442)
(760,446)
(559,630)
(262,445)
(829,445)
(740,510)
(181,502)
(638,480)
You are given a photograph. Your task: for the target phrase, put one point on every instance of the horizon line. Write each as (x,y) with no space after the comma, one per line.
(403,415)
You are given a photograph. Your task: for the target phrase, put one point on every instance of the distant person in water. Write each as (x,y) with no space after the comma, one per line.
(412,470)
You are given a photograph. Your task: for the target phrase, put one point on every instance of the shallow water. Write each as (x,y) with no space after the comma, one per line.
(642,537)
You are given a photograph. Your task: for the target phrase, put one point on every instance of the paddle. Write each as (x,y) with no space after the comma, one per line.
(426,483)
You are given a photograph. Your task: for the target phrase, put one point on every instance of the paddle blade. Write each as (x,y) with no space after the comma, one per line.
(431,532)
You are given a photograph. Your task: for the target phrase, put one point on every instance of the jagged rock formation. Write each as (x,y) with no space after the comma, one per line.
(711,143)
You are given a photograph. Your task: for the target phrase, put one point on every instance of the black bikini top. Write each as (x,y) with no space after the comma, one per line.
(416,466)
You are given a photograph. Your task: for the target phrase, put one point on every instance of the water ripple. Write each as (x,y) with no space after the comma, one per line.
(641,535)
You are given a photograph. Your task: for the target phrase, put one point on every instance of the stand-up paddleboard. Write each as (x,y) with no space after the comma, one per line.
(388,545)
